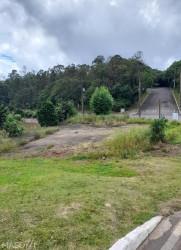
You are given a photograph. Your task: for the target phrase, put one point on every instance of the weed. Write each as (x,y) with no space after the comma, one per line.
(23,142)
(7,145)
(124,145)
(164,150)
(50,146)
(41,133)
(107,120)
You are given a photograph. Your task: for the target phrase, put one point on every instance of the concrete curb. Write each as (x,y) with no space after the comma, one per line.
(176,102)
(133,239)
(143,102)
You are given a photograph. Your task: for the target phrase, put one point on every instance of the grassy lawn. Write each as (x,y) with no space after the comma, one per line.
(83,204)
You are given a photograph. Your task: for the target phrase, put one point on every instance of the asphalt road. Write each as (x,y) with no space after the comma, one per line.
(150,108)
(166,236)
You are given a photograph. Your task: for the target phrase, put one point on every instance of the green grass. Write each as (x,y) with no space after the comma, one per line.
(81,204)
(126,145)
(177,96)
(7,145)
(107,120)
(89,201)
(43,132)
(123,144)
(173,132)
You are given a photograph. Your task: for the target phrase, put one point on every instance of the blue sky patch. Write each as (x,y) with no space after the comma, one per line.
(6,57)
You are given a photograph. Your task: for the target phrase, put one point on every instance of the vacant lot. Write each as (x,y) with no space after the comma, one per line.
(65,142)
(87,201)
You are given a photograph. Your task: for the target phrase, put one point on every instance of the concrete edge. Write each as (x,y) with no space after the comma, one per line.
(136,237)
(142,103)
(146,96)
(176,101)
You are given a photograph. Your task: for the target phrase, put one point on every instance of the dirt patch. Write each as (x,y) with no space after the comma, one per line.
(166,150)
(65,142)
(170,207)
(64,212)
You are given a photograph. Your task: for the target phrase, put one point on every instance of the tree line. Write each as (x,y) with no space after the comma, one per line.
(119,75)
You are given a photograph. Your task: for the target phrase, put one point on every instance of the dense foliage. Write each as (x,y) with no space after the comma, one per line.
(12,126)
(157,130)
(101,101)
(119,75)
(3,114)
(29,89)
(47,115)
(65,110)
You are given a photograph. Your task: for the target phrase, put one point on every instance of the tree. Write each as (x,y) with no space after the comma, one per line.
(157,130)
(101,101)
(65,110)
(12,126)
(3,114)
(47,115)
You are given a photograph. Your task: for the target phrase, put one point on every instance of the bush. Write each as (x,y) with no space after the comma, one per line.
(118,104)
(28,113)
(3,114)
(17,117)
(101,101)
(66,110)
(19,112)
(12,127)
(47,115)
(157,130)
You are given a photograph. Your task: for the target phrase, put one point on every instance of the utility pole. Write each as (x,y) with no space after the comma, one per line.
(159,109)
(139,90)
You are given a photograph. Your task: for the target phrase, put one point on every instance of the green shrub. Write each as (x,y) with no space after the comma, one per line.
(118,104)
(19,112)
(12,127)
(17,117)
(65,110)
(157,130)
(3,114)
(47,115)
(28,113)
(101,101)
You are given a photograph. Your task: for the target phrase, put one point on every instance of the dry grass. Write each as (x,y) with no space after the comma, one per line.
(107,120)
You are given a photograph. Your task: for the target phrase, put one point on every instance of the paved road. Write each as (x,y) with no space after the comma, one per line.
(150,108)
(166,236)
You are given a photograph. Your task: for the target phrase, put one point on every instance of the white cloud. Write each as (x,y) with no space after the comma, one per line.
(168,62)
(113,3)
(42,33)
(151,13)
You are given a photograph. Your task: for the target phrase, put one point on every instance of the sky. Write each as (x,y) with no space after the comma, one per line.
(40,34)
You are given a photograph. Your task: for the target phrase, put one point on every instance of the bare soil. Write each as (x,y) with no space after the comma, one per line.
(64,142)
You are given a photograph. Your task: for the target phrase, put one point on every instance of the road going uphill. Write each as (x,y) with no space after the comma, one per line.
(150,108)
